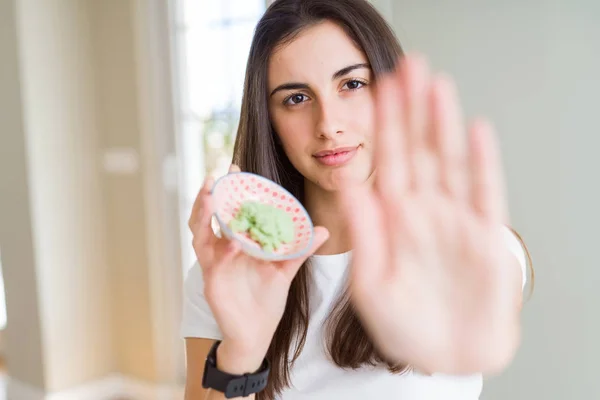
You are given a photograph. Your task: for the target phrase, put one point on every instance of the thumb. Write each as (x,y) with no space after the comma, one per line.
(291,267)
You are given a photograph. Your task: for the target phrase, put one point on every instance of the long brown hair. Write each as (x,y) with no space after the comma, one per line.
(258,150)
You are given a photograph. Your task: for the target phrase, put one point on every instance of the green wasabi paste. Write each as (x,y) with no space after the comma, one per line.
(268,225)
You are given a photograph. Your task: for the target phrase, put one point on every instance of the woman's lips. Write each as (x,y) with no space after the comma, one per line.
(336,157)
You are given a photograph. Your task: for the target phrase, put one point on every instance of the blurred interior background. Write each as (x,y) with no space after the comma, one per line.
(112,112)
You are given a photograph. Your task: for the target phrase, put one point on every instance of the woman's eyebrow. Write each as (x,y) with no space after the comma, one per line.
(289,86)
(348,69)
(336,75)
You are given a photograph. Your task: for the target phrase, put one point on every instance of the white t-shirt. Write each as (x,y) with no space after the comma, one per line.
(313,375)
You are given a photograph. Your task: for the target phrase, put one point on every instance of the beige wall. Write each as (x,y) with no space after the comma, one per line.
(117,93)
(73,238)
(23,337)
(66,209)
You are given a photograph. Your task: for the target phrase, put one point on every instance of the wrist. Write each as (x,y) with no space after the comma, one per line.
(236,361)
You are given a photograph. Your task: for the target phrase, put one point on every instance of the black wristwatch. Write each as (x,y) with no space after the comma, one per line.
(233,385)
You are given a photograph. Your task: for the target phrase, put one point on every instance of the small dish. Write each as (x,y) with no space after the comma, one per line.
(232,190)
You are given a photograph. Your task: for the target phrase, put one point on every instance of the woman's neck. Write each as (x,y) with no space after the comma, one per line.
(325,209)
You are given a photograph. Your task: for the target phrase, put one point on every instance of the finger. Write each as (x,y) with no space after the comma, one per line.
(449,138)
(391,179)
(204,238)
(198,203)
(487,179)
(234,168)
(366,224)
(232,249)
(291,267)
(415,80)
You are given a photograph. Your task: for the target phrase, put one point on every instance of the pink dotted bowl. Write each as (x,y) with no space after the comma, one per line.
(231,190)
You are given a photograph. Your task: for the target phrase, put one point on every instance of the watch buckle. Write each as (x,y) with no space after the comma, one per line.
(246,392)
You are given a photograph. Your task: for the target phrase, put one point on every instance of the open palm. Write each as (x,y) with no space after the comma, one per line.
(430,274)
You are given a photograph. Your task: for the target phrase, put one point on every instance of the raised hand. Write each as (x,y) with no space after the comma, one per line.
(247,296)
(432,278)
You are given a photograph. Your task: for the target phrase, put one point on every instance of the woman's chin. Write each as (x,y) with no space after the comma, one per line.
(340,179)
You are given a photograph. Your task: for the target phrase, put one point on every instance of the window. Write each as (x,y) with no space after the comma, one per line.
(212,40)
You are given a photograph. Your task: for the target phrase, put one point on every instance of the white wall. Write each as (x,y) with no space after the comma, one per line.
(60,124)
(74,245)
(114,56)
(91,258)
(24,335)
(532,66)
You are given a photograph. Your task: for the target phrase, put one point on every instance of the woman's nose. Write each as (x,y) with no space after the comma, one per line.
(329,121)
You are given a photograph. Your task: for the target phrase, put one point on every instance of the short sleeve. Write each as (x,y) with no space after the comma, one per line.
(515,246)
(197,319)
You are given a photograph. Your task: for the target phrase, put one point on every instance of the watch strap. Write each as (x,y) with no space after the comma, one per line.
(233,385)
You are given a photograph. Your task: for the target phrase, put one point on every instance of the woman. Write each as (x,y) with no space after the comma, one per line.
(412,290)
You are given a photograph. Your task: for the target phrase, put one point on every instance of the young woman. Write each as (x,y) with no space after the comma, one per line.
(413,286)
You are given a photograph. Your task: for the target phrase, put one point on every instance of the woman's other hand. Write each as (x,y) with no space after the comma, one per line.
(432,277)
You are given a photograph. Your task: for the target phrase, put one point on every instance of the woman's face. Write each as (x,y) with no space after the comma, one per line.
(322,107)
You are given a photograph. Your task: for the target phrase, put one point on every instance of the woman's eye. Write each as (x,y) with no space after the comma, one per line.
(295,99)
(354,84)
